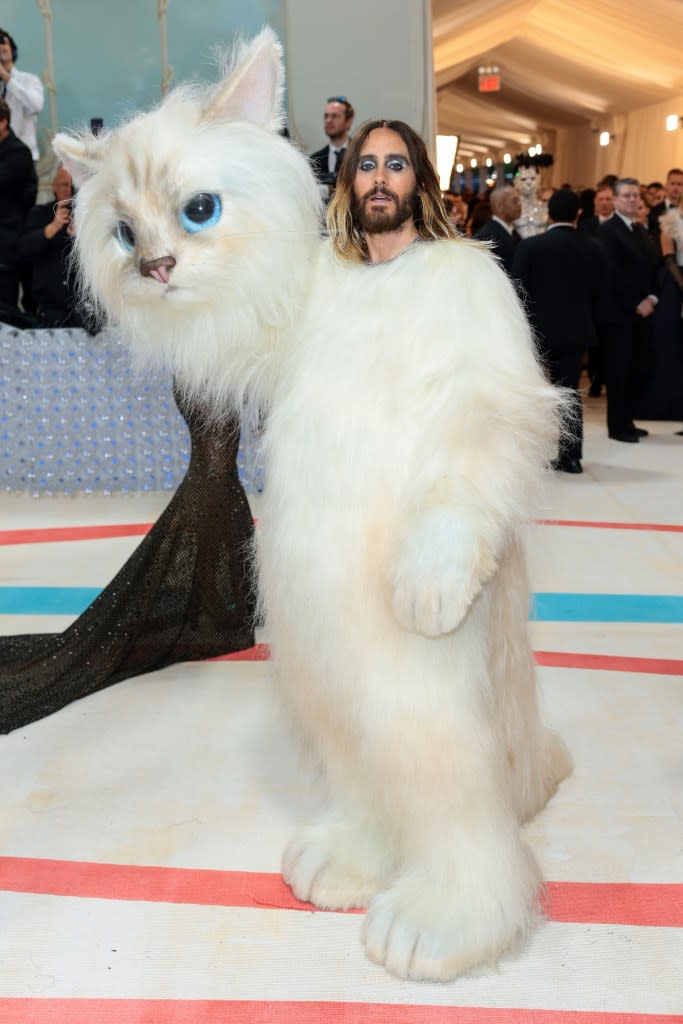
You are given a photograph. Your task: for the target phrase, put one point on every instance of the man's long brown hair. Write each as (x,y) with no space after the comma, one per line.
(431,219)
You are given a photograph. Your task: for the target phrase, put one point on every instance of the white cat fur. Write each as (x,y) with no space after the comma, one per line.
(235,288)
(409,427)
(671,224)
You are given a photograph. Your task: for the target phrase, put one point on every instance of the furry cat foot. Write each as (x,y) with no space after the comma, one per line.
(422,933)
(431,605)
(327,868)
(438,573)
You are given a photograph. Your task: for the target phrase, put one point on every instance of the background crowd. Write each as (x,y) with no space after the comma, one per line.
(599,271)
(597,266)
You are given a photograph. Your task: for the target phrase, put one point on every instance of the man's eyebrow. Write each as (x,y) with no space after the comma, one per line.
(388,156)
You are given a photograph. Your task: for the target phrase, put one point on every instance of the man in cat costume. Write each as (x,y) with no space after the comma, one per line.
(404,445)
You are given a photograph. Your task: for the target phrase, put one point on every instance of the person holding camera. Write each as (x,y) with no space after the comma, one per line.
(46,244)
(337,121)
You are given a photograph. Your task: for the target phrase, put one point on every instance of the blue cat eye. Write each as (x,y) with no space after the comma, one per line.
(125,236)
(201,212)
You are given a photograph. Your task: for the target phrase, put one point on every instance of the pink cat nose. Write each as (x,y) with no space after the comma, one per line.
(158,269)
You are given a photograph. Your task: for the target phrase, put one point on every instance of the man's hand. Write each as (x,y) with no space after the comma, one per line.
(645,308)
(62,219)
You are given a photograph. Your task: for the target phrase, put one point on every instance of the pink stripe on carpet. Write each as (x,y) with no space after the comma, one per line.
(50,535)
(653,904)
(202,1011)
(58,534)
(592,525)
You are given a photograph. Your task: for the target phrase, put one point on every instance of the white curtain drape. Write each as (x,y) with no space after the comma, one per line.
(573,67)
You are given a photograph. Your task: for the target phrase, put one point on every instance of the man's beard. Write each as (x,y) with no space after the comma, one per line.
(377,221)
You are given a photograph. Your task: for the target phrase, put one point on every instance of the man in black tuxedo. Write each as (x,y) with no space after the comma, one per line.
(18,187)
(506,207)
(631,298)
(337,121)
(604,208)
(561,275)
(674,191)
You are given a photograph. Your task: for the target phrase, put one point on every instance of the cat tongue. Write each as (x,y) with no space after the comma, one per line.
(160,274)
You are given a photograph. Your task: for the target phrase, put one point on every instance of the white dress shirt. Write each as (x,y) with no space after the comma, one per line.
(25,97)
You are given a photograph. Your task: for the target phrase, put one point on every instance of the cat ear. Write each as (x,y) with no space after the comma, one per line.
(253,85)
(82,155)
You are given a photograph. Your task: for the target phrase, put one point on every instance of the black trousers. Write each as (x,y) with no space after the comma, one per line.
(563,366)
(9,288)
(626,356)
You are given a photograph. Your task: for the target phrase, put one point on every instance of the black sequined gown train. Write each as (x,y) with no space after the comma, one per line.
(185,593)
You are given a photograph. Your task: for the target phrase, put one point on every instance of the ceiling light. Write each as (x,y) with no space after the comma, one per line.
(538,148)
(459,168)
(489,161)
(604,138)
(672,122)
(473,162)
(507,159)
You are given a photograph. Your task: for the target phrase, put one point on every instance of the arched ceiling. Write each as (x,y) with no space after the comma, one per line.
(562,63)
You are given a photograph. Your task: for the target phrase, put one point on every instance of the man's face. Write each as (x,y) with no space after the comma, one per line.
(674,187)
(62,185)
(626,201)
(5,51)
(335,121)
(385,185)
(651,196)
(604,202)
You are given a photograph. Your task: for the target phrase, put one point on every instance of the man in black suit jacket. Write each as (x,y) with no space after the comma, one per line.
(603,205)
(506,207)
(18,187)
(561,275)
(632,296)
(337,121)
(674,191)
(604,208)
(45,244)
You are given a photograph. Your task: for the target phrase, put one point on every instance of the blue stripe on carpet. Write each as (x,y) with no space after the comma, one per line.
(606,608)
(545,607)
(46,600)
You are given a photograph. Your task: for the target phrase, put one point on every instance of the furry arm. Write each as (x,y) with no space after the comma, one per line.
(495,428)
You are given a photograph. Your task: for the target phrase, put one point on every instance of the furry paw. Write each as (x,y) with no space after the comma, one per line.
(424,933)
(325,866)
(440,570)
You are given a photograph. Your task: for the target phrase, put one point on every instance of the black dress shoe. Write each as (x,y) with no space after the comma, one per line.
(639,432)
(679,433)
(630,437)
(566,465)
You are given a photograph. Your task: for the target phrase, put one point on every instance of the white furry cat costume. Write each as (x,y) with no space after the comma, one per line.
(408,431)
